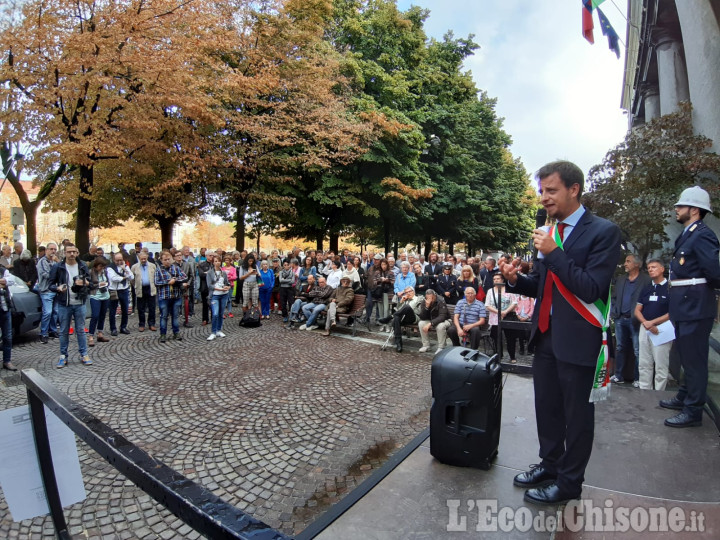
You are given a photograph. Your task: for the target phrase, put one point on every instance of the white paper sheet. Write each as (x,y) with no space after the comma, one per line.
(19,469)
(666,333)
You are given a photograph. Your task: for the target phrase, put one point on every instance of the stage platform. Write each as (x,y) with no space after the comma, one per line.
(644,480)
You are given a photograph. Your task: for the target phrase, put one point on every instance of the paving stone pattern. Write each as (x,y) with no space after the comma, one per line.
(281,423)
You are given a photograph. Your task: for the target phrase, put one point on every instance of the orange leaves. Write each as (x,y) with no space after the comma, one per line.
(403,194)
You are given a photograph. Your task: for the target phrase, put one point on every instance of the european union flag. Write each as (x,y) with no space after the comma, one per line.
(609,31)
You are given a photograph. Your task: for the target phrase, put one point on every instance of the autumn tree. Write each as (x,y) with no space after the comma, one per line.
(101,80)
(289,119)
(640,179)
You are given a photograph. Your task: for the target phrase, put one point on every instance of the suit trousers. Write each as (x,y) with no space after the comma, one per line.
(692,341)
(565,416)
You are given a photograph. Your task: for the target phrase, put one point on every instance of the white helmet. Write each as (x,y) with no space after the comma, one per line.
(695,196)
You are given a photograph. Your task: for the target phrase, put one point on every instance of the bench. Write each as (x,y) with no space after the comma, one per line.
(356,311)
(485,330)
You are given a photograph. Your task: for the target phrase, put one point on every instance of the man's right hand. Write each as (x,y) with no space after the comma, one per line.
(509,272)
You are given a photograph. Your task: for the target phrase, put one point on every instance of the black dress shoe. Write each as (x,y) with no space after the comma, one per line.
(114,333)
(124,331)
(398,345)
(683,420)
(384,320)
(548,495)
(672,403)
(54,335)
(44,339)
(537,476)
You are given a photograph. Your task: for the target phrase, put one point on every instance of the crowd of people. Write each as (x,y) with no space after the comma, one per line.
(162,290)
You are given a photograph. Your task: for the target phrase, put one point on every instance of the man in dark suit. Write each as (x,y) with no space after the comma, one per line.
(694,274)
(567,345)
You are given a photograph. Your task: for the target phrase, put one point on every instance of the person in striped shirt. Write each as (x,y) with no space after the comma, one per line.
(470,316)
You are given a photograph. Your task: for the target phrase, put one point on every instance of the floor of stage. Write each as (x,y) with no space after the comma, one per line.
(644,480)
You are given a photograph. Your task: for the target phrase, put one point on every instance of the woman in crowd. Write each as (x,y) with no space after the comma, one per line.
(422,281)
(308,268)
(99,300)
(333,277)
(218,283)
(351,272)
(275,296)
(384,282)
(203,267)
(501,304)
(266,288)
(467,279)
(248,277)
(361,272)
(231,270)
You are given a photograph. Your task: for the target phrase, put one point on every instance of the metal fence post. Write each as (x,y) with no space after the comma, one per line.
(47,469)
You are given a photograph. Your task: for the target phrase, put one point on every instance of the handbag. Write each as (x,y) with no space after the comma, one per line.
(113,294)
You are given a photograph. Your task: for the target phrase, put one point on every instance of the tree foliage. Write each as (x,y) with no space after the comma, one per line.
(640,179)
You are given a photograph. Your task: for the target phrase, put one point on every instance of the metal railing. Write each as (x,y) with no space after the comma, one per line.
(197,506)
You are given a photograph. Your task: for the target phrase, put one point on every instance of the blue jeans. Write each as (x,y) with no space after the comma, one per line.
(97,319)
(6,327)
(66,314)
(49,313)
(169,307)
(312,311)
(124,301)
(625,333)
(296,307)
(217,305)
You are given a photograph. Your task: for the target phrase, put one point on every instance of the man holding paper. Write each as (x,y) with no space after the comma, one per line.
(694,276)
(652,312)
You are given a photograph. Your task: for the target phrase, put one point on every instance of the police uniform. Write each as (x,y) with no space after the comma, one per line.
(694,274)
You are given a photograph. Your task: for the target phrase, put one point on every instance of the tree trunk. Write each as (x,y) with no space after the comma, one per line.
(451,248)
(258,243)
(386,236)
(82,217)
(417,249)
(31,227)
(396,248)
(334,242)
(468,249)
(319,239)
(240,224)
(428,247)
(166,231)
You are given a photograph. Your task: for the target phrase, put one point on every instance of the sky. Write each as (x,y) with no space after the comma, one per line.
(558,94)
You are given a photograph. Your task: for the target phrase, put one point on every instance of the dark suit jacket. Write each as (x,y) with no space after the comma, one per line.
(697,250)
(586,267)
(643,280)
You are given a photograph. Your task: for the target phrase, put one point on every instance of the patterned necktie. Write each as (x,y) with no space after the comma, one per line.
(546,303)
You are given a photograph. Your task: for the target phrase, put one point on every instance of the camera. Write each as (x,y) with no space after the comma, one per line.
(102,290)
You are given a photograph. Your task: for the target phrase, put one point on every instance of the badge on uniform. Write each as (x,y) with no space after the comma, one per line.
(682,260)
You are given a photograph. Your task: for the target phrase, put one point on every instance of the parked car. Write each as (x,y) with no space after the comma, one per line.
(27,308)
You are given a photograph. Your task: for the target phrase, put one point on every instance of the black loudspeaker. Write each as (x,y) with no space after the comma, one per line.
(466,409)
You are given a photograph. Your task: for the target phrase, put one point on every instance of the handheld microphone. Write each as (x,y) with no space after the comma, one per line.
(540,219)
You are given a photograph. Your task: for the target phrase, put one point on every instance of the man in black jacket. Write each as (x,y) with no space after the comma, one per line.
(433,316)
(625,294)
(70,279)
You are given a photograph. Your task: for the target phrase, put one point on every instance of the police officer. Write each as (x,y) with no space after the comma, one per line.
(694,274)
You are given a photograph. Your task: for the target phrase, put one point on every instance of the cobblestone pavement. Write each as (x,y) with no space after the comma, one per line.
(281,423)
